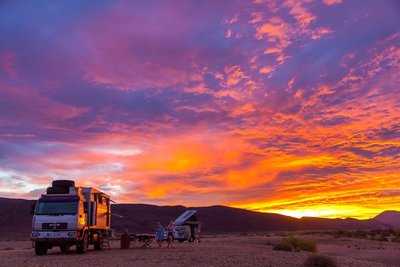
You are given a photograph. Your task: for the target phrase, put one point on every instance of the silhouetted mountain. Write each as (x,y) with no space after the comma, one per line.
(141,218)
(220,219)
(15,219)
(390,217)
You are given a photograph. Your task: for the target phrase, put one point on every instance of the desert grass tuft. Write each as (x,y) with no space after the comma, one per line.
(301,244)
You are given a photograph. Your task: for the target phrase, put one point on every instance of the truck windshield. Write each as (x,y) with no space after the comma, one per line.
(56,208)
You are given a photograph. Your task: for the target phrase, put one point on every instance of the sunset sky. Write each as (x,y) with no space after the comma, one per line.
(278,106)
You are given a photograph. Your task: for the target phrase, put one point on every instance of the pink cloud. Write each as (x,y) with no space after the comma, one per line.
(35,107)
(123,55)
(332,2)
(320,32)
(7,63)
(228,33)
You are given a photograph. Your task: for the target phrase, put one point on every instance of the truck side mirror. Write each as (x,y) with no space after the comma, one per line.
(33,207)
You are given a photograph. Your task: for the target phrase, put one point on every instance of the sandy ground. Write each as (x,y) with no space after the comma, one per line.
(228,250)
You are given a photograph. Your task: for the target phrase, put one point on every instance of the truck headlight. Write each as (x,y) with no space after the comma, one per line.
(34,234)
(71,234)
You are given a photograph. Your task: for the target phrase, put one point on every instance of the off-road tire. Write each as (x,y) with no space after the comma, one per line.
(64,248)
(57,190)
(63,183)
(83,244)
(40,249)
(98,245)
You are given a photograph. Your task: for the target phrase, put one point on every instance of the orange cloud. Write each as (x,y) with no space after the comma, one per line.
(234,75)
(302,16)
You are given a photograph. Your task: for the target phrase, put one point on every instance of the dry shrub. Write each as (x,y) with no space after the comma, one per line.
(316,260)
(301,244)
(382,239)
(396,239)
(283,246)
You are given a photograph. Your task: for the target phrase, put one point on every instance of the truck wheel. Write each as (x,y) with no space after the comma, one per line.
(40,249)
(82,245)
(64,248)
(63,183)
(98,244)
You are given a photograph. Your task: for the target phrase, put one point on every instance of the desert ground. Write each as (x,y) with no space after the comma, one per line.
(213,250)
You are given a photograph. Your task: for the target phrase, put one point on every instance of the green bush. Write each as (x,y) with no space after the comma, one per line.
(316,260)
(301,244)
(283,246)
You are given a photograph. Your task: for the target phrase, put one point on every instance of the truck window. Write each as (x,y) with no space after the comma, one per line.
(56,208)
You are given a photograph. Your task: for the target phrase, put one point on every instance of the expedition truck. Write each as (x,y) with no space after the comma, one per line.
(70,216)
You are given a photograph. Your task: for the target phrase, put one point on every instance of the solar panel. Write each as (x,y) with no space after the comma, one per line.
(184,217)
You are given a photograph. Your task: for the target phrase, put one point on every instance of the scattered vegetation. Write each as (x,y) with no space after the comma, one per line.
(377,235)
(396,239)
(292,243)
(316,260)
(382,238)
(283,246)
(301,244)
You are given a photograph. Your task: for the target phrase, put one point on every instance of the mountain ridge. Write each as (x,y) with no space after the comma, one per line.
(15,219)
(391,217)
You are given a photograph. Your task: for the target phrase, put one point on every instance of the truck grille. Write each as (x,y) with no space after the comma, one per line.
(53,226)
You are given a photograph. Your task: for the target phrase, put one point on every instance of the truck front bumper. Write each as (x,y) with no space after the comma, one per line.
(54,236)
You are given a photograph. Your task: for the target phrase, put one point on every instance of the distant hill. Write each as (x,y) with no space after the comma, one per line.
(221,219)
(140,218)
(15,219)
(390,217)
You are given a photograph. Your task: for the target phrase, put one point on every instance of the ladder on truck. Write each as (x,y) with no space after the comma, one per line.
(105,240)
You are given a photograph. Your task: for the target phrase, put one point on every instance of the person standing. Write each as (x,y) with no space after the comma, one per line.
(170,236)
(125,240)
(160,233)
